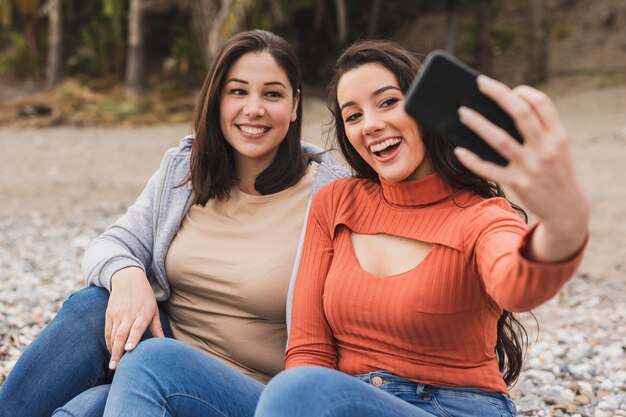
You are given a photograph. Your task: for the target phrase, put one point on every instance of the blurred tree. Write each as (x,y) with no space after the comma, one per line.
(133,83)
(451,25)
(54,64)
(537,70)
(214,21)
(226,23)
(342,21)
(374,23)
(6,12)
(29,12)
(483,53)
(202,14)
(114,11)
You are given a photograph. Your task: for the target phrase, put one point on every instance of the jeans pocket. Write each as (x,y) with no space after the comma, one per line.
(471,404)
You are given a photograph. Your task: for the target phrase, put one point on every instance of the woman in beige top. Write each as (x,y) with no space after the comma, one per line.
(215,235)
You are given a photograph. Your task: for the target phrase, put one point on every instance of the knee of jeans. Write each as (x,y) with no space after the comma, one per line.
(149,354)
(296,391)
(304,379)
(88,300)
(90,403)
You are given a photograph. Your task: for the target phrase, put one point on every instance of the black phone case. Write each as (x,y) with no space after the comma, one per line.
(442,85)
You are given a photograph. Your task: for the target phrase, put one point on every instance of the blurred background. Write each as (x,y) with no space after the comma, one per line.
(141,61)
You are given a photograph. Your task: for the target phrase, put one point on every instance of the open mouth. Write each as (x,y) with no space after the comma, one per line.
(253,130)
(386,147)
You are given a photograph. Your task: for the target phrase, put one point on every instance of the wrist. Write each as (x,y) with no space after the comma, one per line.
(125,276)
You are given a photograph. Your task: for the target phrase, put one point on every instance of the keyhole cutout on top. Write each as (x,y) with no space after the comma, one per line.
(384,255)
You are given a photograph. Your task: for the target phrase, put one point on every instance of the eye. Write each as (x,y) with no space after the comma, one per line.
(273,94)
(237,92)
(352,117)
(389,102)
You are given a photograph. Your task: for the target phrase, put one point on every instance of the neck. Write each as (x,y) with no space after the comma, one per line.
(247,172)
(424,191)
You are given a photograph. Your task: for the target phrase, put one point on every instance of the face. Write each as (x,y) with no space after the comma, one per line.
(384,135)
(256,108)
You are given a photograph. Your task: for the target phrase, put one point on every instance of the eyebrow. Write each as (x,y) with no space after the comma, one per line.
(374,94)
(237,80)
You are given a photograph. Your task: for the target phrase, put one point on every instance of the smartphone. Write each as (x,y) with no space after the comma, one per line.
(442,85)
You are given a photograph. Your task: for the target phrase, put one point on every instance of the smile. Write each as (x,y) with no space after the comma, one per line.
(379,148)
(253,130)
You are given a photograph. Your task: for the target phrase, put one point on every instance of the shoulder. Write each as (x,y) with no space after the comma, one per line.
(329,168)
(183,149)
(178,154)
(346,189)
(343,195)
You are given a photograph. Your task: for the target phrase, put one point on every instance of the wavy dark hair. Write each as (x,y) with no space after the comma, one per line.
(212,168)
(512,336)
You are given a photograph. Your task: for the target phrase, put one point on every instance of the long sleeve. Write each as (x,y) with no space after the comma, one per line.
(514,282)
(311,341)
(130,240)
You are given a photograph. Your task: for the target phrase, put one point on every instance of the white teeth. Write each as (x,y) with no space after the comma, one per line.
(384,145)
(252,130)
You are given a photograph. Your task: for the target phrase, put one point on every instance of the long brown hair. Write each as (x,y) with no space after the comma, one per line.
(512,336)
(212,166)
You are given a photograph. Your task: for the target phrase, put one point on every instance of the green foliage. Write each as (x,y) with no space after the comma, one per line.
(92,58)
(96,47)
(18,60)
(5,13)
(502,36)
(470,42)
(114,10)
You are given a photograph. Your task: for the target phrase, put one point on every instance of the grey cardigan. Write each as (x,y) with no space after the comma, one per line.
(143,235)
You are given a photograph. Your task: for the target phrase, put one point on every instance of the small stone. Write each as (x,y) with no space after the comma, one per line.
(608,405)
(582,399)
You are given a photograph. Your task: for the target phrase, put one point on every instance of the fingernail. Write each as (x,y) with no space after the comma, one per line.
(484,81)
(128,346)
(464,112)
(460,152)
(112,365)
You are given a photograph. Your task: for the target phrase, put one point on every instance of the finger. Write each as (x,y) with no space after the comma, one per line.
(523,114)
(496,137)
(155,325)
(136,331)
(544,108)
(119,340)
(479,166)
(108,325)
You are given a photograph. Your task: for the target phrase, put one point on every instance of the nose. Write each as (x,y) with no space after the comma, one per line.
(253,108)
(372,124)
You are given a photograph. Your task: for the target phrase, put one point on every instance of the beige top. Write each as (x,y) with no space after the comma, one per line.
(229,267)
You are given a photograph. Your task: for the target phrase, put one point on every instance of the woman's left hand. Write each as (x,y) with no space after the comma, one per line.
(540,171)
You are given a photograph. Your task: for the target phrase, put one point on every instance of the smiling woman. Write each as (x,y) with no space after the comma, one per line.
(402,305)
(215,238)
(376,124)
(257,107)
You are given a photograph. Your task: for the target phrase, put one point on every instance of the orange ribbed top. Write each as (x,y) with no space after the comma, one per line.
(434,324)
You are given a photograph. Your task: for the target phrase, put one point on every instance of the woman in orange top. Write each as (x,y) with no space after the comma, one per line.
(410,271)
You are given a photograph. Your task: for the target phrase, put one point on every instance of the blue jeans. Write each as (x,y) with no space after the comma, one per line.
(68,358)
(322,392)
(165,377)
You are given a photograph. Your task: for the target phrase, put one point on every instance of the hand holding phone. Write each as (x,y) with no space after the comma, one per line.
(443,84)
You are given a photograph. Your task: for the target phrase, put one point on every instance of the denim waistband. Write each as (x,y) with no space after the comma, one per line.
(379,378)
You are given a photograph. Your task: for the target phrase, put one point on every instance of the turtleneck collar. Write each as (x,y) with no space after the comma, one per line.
(427,190)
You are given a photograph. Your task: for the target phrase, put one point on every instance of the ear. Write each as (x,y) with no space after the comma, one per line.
(296,102)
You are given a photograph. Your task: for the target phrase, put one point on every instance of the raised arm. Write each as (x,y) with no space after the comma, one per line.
(540,172)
